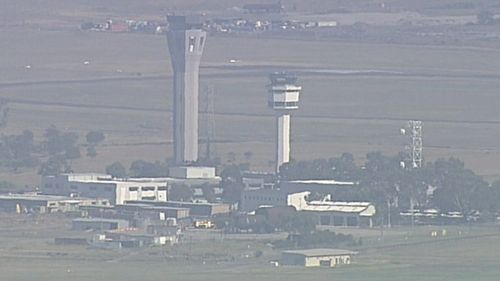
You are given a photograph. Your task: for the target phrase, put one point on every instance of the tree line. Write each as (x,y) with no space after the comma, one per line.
(53,154)
(444,184)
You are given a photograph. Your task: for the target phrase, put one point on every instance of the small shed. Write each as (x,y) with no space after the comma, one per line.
(317,257)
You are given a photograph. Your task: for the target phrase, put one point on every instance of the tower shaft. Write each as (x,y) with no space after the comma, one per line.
(185,42)
(282,139)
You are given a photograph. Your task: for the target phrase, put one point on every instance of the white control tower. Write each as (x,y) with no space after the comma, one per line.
(283,98)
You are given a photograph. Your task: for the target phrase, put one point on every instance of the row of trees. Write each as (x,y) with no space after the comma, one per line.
(52,155)
(444,184)
(139,169)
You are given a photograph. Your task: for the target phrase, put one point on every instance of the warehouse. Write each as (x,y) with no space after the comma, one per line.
(37,203)
(347,214)
(85,224)
(145,211)
(252,199)
(317,257)
(196,209)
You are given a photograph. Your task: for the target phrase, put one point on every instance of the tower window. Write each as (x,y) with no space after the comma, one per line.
(202,40)
(192,42)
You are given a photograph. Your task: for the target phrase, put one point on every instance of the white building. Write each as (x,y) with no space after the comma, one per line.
(341,213)
(187,172)
(258,180)
(318,257)
(117,191)
(36,203)
(251,200)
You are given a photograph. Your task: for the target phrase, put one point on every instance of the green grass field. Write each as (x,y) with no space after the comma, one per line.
(465,253)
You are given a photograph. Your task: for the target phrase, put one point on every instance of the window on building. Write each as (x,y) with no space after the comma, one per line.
(133,189)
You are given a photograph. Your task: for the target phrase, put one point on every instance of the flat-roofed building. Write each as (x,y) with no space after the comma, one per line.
(256,180)
(84,224)
(252,199)
(196,209)
(146,211)
(317,257)
(192,172)
(37,203)
(117,191)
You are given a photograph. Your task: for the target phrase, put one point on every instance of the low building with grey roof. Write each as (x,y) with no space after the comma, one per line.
(317,257)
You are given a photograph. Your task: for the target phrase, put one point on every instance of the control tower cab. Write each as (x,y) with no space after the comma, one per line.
(283,92)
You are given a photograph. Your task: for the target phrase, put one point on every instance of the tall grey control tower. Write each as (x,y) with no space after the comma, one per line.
(186,40)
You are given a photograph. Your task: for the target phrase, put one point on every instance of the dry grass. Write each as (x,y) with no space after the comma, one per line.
(453,89)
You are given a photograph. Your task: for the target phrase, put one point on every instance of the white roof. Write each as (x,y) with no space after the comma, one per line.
(123,181)
(361,208)
(320,252)
(39,197)
(325,182)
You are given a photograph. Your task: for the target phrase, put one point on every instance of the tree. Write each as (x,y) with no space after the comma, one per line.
(208,193)
(231,191)
(231,157)
(72,153)
(91,151)
(95,137)
(61,144)
(302,223)
(455,185)
(53,166)
(6,186)
(141,168)
(180,193)
(248,155)
(116,170)
(16,151)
